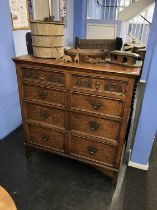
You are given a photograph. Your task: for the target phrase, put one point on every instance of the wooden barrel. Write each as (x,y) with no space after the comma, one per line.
(47,52)
(47,41)
(47,38)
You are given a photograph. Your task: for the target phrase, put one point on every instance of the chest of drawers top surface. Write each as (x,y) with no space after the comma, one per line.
(114,69)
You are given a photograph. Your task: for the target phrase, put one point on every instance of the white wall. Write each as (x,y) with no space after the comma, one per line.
(55,9)
(20,42)
(41,9)
(68,39)
(101,31)
(68,34)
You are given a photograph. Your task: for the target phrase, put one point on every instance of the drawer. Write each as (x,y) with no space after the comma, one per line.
(93,150)
(98,105)
(94,126)
(47,138)
(108,85)
(44,114)
(51,77)
(44,94)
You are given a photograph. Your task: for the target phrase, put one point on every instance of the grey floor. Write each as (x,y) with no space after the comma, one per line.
(51,182)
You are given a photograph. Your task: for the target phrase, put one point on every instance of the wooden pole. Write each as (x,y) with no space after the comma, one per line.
(50,8)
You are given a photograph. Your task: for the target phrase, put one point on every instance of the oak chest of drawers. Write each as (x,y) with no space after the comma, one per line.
(80,111)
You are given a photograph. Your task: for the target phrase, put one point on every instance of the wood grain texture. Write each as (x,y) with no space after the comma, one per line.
(45,114)
(95,126)
(95,151)
(44,77)
(46,138)
(80,111)
(98,84)
(109,44)
(108,68)
(42,94)
(6,202)
(98,105)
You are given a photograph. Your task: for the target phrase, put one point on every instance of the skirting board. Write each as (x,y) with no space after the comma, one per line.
(137,165)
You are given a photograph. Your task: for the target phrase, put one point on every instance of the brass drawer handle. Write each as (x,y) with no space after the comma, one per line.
(44,115)
(92,150)
(42,77)
(45,138)
(94,126)
(42,94)
(95,104)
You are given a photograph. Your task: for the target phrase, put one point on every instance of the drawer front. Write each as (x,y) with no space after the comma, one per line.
(44,95)
(93,150)
(46,138)
(94,126)
(45,114)
(53,78)
(99,85)
(98,105)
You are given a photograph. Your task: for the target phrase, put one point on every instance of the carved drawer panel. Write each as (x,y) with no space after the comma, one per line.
(46,115)
(94,126)
(47,138)
(99,85)
(93,150)
(44,94)
(99,105)
(114,86)
(54,78)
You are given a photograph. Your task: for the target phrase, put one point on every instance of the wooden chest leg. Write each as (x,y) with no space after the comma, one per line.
(114,178)
(28,152)
(107,172)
